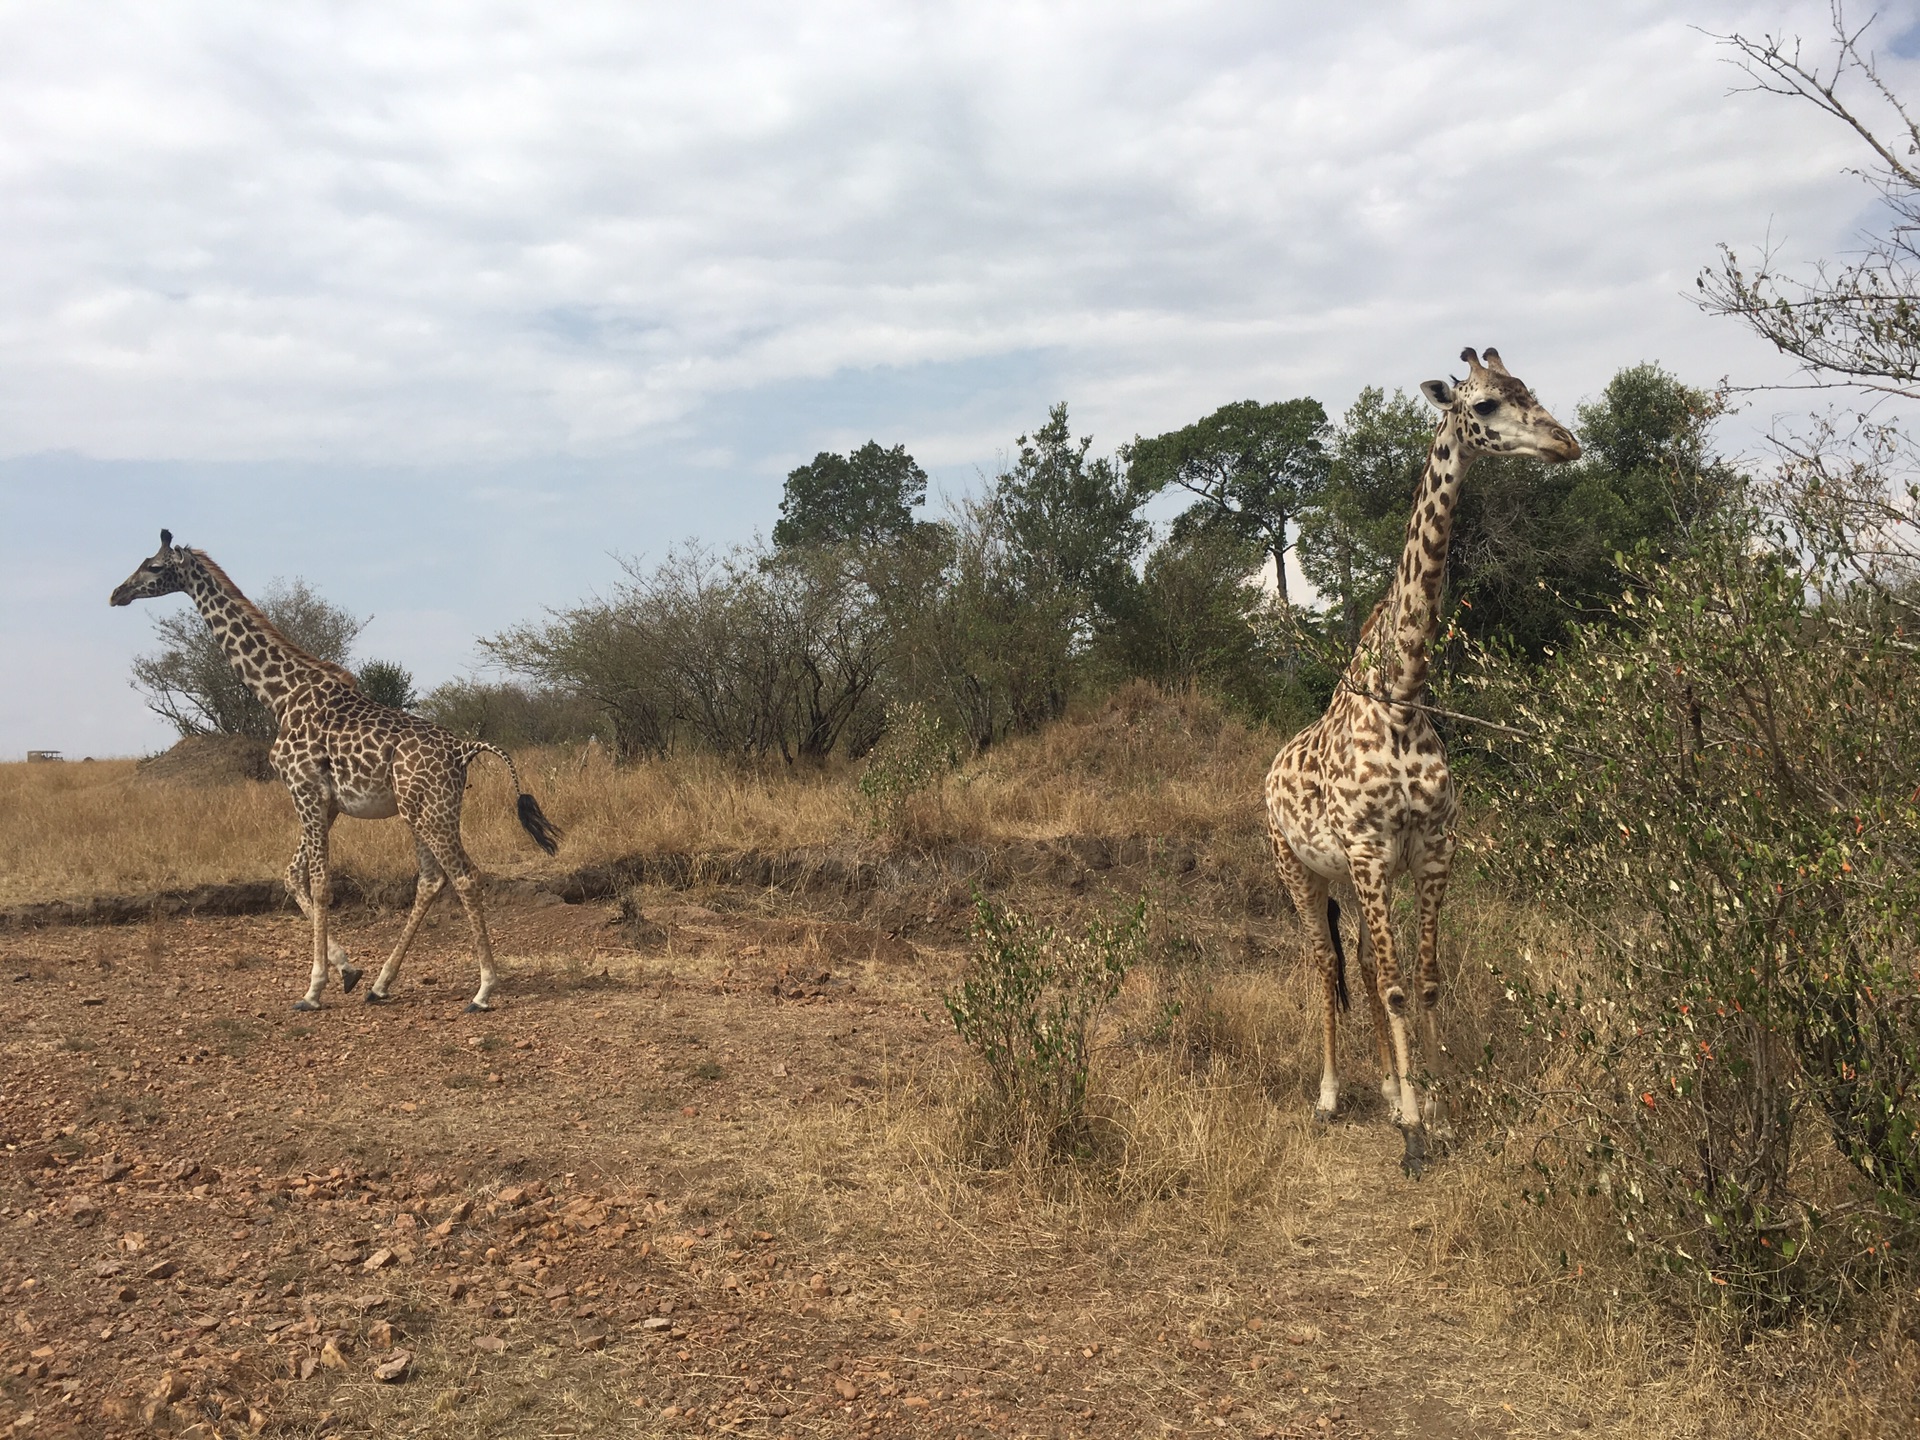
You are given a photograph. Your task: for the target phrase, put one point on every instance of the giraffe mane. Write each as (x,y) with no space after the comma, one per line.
(256,616)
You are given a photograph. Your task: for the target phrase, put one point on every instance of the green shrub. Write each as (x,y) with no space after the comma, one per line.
(1027,1007)
(911,758)
(1719,796)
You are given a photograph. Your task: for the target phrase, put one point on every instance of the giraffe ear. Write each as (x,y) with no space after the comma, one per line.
(1438,392)
(166,539)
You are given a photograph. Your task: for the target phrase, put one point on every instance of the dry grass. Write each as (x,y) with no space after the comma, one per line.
(1212,1201)
(70,831)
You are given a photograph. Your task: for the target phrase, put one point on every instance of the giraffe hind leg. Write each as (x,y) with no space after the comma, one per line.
(433,879)
(452,858)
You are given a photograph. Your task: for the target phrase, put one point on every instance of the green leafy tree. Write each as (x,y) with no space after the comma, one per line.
(387,683)
(190,684)
(1254,469)
(1535,546)
(866,497)
(1071,521)
(1352,534)
(1197,619)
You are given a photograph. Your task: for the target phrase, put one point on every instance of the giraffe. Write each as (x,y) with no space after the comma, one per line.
(340,753)
(1364,794)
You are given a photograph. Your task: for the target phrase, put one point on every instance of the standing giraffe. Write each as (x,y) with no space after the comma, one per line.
(342,754)
(1364,794)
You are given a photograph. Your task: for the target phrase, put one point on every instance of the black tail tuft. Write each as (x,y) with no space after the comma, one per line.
(544,832)
(1339,951)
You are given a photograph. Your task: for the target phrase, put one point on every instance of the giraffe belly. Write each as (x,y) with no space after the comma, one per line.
(1321,854)
(369,802)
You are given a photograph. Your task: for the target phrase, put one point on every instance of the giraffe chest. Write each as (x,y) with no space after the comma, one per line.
(1328,806)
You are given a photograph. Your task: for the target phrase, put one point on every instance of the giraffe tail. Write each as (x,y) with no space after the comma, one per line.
(1339,952)
(533,819)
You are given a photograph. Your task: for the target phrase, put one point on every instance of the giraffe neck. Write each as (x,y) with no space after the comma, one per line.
(270,665)
(1410,618)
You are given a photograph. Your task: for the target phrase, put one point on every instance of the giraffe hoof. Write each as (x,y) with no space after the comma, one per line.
(1322,1116)
(306,1005)
(1414,1161)
(374,997)
(350,977)
(1396,999)
(474,1007)
(1430,996)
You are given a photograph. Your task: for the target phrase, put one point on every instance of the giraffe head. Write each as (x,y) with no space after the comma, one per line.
(164,574)
(1497,414)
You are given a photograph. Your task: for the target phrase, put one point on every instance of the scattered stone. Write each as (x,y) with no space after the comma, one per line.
(113,1168)
(172,1387)
(656,1322)
(160,1270)
(380,1335)
(378,1260)
(846,1388)
(81,1210)
(491,1344)
(332,1357)
(394,1369)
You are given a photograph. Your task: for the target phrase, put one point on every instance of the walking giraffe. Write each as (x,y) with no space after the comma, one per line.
(342,754)
(1364,794)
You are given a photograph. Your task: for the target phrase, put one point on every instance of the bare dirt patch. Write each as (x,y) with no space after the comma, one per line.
(655,1192)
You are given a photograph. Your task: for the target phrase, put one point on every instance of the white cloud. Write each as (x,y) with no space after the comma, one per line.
(691,245)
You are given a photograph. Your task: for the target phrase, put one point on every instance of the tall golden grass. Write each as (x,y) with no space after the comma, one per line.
(1139,764)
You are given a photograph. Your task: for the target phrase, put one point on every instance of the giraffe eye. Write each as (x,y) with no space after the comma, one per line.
(1486,407)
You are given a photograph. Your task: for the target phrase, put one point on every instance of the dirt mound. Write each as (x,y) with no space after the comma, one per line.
(205,761)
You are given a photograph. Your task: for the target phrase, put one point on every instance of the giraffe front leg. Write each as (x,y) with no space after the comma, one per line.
(318,894)
(1433,892)
(1371,885)
(298,885)
(1382,1033)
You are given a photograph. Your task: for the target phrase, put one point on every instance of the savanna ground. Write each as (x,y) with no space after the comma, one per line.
(705,1169)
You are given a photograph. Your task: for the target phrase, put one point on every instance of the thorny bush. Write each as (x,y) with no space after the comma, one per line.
(1719,796)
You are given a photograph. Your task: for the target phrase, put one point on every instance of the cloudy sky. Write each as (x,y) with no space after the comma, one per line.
(441,305)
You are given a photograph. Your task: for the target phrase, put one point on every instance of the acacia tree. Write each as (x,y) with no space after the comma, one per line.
(866,497)
(1253,468)
(1856,325)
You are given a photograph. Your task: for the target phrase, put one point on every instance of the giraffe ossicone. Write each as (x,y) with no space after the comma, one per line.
(340,753)
(1363,795)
